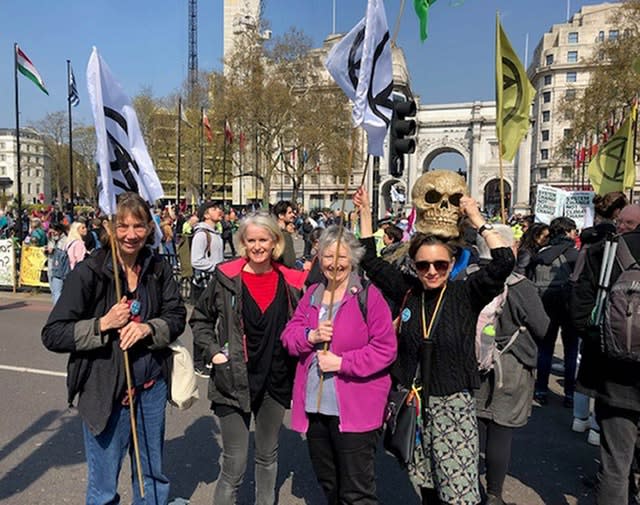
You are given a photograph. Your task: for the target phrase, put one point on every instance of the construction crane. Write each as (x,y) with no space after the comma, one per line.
(193,44)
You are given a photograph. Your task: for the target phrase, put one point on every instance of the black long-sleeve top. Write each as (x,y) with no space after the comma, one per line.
(453,366)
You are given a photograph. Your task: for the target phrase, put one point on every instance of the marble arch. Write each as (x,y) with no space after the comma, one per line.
(468,129)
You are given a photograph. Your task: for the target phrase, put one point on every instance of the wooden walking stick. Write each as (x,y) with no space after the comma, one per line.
(332,281)
(125,353)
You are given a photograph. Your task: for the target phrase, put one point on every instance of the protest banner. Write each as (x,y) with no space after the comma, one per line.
(549,203)
(578,205)
(7,263)
(32,261)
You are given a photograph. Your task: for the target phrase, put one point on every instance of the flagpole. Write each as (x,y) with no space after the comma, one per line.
(503,218)
(224,164)
(635,140)
(332,280)
(396,29)
(125,354)
(178,154)
(201,154)
(240,148)
(70,137)
(18,168)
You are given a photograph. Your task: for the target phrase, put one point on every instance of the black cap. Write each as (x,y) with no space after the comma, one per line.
(207,205)
(384,220)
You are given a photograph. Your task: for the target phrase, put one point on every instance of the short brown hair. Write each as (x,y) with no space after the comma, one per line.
(420,239)
(606,205)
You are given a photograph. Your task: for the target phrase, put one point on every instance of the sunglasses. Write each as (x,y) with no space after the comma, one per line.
(441,266)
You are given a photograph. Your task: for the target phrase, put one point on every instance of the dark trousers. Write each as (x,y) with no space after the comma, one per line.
(235,441)
(570,343)
(618,438)
(495,443)
(344,463)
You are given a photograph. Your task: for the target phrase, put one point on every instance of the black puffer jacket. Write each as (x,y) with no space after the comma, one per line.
(95,370)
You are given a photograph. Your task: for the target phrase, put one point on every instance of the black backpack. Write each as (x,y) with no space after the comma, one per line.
(553,280)
(620,328)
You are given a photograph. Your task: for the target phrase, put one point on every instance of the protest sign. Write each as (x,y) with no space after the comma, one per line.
(578,205)
(549,203)
(32,261)
(7,263)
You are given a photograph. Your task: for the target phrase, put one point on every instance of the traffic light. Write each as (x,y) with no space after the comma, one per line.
(400,127)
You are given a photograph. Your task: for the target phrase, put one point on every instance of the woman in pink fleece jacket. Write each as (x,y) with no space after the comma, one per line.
(339,394)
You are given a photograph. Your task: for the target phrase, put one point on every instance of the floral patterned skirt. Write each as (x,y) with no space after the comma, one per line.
(446,453)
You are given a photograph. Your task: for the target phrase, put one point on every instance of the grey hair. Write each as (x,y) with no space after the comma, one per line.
(263,220)
(505,232)
(330,236)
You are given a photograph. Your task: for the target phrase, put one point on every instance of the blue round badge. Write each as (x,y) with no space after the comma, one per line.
(135,307)
(406,314)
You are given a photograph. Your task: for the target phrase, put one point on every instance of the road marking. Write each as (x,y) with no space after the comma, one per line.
(32,370)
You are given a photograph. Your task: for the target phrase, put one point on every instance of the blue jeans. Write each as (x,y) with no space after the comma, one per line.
(55,286)
(105,452)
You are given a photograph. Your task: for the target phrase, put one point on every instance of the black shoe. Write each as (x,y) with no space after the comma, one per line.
(202,372)
(541,397)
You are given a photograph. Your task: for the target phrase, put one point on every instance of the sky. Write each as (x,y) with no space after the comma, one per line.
(145,43)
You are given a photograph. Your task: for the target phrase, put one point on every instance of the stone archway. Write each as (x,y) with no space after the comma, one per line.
(427,162)
(491,197)
(393,196)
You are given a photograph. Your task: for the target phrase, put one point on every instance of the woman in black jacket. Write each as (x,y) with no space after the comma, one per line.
(436,350)
(237,324)
(90,324)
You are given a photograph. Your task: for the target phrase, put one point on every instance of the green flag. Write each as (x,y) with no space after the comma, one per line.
(614,168)
(422,10)
(514,94)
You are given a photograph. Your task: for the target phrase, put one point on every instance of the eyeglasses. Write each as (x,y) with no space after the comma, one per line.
(441,266)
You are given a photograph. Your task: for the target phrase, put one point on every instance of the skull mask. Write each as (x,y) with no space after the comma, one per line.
(436,196)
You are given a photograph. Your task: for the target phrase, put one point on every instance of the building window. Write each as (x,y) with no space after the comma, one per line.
(613,34)
(572,57)
(28,188)
(572,76)
(38,189)
(549,59)
(3,171)
(570,94)
(601,36)
(546,116)
(545,135)
(2,157)
(38,173)
(1,145)
(546,96)
(572,38)
(547,80)
(544,154)
(567,132)
(543,173)
(566,172)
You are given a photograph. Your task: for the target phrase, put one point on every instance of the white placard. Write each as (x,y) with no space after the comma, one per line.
(7,263)
(549,203)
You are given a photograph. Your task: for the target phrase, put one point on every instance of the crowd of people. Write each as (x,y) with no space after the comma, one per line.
(331,333)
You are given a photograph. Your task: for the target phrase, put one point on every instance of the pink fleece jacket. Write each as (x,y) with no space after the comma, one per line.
(367,349)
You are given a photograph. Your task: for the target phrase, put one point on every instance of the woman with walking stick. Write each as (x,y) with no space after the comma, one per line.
(103,334)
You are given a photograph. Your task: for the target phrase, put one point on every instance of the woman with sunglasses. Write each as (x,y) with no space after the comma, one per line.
(436,349)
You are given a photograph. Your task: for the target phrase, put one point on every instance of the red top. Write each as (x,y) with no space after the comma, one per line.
(262,287)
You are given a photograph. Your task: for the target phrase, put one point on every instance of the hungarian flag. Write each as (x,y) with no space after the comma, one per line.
(228,133)
(243,141)
(207,126)
(28,69)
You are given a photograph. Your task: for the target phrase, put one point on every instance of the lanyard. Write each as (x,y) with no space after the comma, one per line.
(427,332)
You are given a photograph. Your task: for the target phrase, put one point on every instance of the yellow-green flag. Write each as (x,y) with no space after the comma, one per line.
(614,167)
(514,94)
